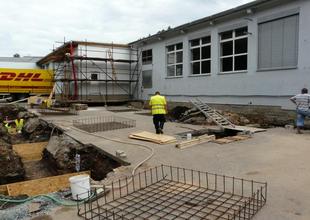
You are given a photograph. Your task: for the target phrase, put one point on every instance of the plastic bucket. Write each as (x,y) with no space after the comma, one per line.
(189,136)
(80,186)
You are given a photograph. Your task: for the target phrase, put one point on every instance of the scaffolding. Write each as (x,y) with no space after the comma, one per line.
(88,72)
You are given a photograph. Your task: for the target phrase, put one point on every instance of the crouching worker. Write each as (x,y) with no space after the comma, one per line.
(158,106)
(19,124)
(302,102)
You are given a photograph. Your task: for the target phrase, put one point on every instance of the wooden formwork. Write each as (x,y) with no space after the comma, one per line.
(39,186)
(30,151)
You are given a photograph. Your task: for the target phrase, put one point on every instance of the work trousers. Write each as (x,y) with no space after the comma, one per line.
(159,121)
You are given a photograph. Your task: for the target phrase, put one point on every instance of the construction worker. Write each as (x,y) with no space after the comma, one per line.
(158,106)
(302,102)
(19,123)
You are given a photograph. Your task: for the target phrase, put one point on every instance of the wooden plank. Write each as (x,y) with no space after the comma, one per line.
(245,128)
(195,141)
(3,190)
(239,137)
(41,186)
(223,141)
(30,151)
(230,139)
(156,138)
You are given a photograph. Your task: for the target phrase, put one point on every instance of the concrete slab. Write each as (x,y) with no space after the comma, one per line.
(278,156)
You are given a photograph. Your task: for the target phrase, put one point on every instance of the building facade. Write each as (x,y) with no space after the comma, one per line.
(252,55)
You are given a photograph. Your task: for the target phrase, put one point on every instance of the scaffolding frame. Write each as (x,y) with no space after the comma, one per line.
(73,68)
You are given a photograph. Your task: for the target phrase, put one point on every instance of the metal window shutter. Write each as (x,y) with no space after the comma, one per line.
(290,41)
(278,43)
(264,45)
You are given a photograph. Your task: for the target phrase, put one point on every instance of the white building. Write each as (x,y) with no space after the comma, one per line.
(256,54)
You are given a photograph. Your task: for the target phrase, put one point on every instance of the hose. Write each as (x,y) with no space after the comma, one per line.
(123,142)
(54,199)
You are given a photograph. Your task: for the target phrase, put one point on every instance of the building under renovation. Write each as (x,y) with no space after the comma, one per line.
(254,54)
(93,72)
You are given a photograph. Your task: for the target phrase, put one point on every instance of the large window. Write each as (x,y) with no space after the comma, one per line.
(234,50)
(175,60)
(147,79)
(278,43)
(147,56)
(200,55)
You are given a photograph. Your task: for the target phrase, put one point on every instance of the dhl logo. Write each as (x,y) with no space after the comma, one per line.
(11,76)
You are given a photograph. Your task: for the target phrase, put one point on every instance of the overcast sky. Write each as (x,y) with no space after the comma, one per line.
(31,27)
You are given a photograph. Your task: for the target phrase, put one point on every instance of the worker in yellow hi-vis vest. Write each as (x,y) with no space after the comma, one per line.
(158,106)
(19,123)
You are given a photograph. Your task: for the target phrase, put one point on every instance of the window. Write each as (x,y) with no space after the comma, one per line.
(175,60)
(94,76)
(147,79)
(200,55)
(278,43)
(234,50)
(147,57)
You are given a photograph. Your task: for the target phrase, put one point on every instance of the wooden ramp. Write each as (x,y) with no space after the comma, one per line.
(30,151)
(40,186)
(156,138)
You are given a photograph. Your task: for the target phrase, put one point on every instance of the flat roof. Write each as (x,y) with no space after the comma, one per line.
(213,19)
(59,53)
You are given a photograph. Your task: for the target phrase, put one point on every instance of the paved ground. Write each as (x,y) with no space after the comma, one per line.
(278,156)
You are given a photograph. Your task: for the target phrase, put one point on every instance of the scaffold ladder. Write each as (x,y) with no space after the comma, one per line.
(212,113)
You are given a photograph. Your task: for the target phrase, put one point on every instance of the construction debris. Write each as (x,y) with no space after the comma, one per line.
(156,138)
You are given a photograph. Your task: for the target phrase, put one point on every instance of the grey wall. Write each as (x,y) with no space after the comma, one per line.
(251,87)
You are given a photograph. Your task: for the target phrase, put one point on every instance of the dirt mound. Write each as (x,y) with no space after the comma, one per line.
(61,153)
(10,111)
(34,130)
(177,112)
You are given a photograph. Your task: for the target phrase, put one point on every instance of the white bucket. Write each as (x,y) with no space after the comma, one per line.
(80,186)
(189,136)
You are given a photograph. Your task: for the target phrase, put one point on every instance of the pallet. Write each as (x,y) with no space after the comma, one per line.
(189,143)
(40,186)
(30,151)
(156,138)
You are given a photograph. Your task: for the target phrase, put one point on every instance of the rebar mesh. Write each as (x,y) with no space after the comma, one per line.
(167,192)
(103,123)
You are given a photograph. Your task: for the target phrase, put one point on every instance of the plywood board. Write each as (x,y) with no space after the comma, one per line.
(195,141)
(41,186)
(3,190)
(245,128)
(30,151)
(156,138)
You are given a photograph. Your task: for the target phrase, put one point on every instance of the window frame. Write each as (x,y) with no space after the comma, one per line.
(148,59)
(175,63)
(200,46)
(233,55)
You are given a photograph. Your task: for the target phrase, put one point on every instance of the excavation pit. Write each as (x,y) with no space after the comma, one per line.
(103,123)
(167,192)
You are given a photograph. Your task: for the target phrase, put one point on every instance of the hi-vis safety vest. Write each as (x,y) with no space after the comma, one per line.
(158,104)
(19,124)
